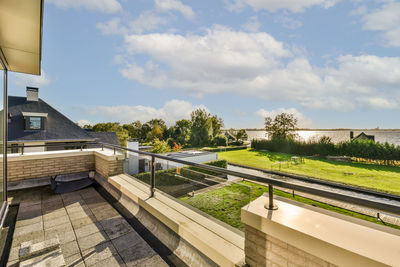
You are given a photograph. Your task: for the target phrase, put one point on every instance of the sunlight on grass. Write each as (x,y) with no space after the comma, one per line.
(376,177)
(225,203)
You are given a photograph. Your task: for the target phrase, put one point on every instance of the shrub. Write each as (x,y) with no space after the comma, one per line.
(160,146)
(220,140)
(356,148)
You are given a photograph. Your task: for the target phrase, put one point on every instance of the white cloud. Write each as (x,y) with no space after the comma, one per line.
(171,111)
(302,121)
(255,64)
(385,19)
(253,25)
(148,20)
(82,123)
(32,80)
(175,5)
(294,6)
(112,27)
(105,6)
(288,22)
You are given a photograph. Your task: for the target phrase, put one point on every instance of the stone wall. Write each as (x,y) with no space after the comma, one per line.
(43,167)
(265,250)
(31,166)
(107,167)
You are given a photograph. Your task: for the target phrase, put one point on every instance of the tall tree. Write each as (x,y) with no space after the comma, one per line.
(202,128)
(217,124)
(182,130)
(283,126)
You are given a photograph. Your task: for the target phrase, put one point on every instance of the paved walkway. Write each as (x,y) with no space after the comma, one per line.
(88,229)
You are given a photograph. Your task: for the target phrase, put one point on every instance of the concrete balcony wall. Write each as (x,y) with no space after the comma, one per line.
(299,235)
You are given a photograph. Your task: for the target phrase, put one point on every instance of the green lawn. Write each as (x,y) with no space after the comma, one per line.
(376,177)
(225,203)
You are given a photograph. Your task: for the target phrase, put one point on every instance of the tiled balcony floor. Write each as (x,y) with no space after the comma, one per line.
(90,231)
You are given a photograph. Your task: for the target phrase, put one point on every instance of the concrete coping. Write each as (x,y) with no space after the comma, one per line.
(106,154)
(220,244)
(338,241)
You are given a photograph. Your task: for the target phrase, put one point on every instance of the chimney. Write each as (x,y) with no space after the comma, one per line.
(32,93)
(351,135)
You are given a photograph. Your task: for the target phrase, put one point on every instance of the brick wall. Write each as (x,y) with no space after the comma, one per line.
(109,168)
(265,250)
(36,168)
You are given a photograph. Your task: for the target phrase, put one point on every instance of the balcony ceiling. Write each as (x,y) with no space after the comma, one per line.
(21,35)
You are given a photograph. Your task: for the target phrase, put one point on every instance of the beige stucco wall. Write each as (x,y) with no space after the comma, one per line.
(301,235)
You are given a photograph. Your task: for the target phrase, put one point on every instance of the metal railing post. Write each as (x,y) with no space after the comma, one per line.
(102,147)
(270,205)
(153,176)
(114,150)
(22,149)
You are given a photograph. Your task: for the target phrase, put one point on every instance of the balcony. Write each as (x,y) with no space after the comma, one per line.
(142,220)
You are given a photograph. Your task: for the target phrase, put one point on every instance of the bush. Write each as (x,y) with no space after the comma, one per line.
(236,143)
(356,148)
(220,140)
(160,146)
(219,149)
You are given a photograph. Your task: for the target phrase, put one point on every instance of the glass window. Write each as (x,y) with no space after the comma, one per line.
(35,123)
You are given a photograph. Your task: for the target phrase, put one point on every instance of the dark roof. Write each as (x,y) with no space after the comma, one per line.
(364,136)
(105,137)
(57,126)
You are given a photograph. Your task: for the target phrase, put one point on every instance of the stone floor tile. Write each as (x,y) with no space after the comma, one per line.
(14,254)
(114,260)
(24,222)
(151,261)
(29,249)
(64,233)
(140,252)
(92,240)
(74,261)
(78,207)
(54,214)
(88,192)
(37,236)
(88,230)
(118,229)
(80,222)
(79,215)
(30,206)
(105,213)
(98,253)
(126,241)
(13,263)
(30,214)
(53,258)
(55,222)
(28,229)
(70,248)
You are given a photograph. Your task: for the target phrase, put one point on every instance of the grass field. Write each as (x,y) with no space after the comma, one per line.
(376,177)
(225,203)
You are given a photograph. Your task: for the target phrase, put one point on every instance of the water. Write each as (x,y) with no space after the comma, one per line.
(382,136)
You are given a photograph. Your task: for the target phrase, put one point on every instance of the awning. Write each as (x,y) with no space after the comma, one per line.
(21,35)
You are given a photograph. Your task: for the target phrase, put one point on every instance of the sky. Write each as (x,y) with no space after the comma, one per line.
(331,63)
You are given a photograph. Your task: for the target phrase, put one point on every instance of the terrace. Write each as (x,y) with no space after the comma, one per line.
(131,219)
(124,220)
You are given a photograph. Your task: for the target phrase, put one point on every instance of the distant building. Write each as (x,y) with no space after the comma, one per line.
(31,121)
(363,136)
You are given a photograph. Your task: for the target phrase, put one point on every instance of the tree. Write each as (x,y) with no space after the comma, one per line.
(201,130)
(122,133)
(134,129)
(241,135)
(157,127)
(181,132)
(283,126)
(217,124)
(160,146)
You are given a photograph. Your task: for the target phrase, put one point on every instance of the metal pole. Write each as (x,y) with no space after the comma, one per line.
(153,176)
(270,205)
(22,149)
(5,134)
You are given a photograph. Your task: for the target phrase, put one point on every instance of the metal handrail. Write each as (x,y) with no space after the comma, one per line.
(386,207)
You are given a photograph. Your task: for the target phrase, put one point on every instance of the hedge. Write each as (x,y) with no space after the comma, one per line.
(221,149)
(367,149)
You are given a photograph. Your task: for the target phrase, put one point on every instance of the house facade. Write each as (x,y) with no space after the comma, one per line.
(32,121)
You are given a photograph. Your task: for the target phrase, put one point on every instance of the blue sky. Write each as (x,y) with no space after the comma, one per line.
(332,63)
